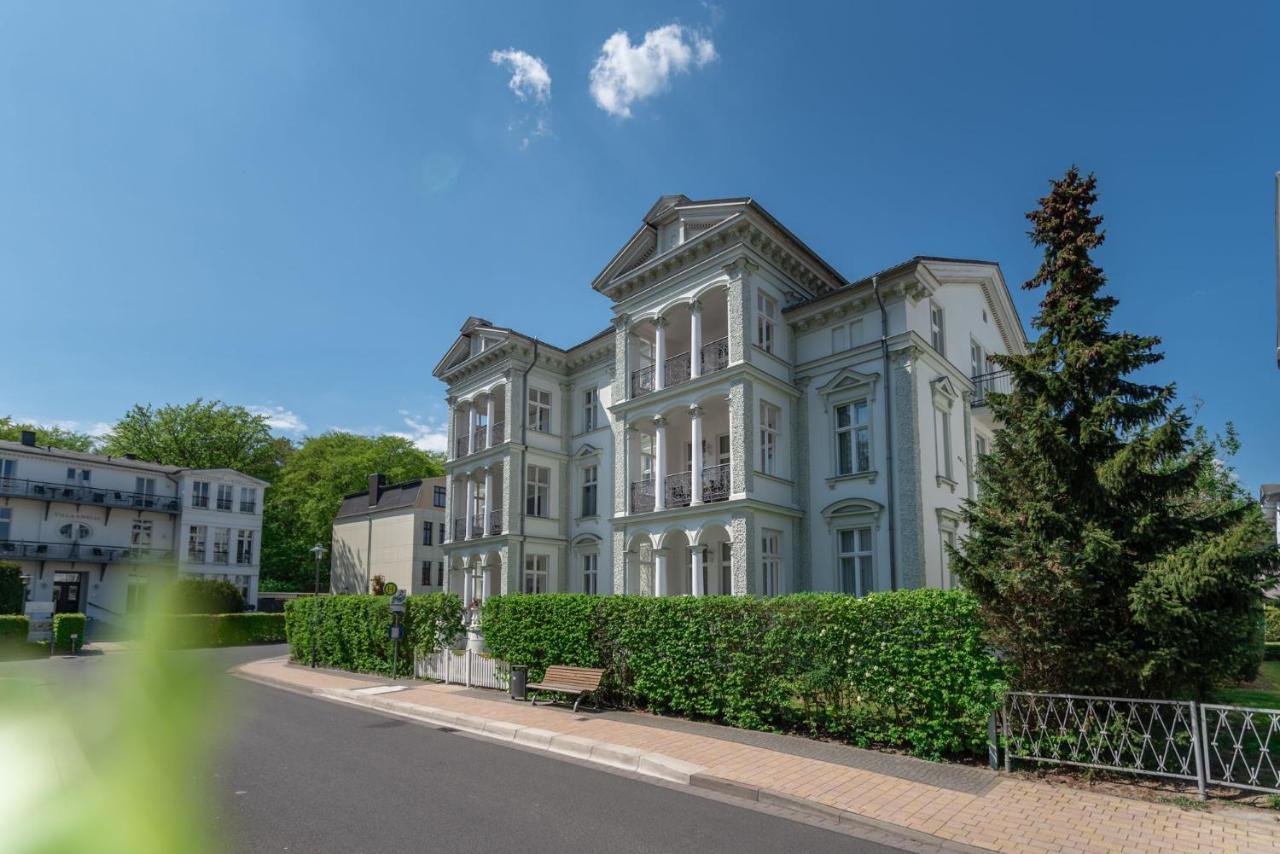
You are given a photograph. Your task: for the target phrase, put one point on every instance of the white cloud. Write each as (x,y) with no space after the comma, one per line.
(94,429)
(529,75)
(426,434)
(279,418)
(625,73)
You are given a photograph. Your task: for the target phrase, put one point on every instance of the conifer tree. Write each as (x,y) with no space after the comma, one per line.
(1102,561)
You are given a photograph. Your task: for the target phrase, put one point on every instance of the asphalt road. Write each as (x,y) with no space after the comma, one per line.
(295,773)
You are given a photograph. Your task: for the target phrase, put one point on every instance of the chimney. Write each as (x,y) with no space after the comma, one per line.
(376,482)
(29,438)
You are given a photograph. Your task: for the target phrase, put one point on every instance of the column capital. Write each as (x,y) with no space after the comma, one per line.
(660,322)
(452,400)
(659,421)
(740,268)
(695,411)
(622,322)
(695,306)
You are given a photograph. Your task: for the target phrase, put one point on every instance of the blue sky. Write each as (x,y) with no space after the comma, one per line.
(295,205)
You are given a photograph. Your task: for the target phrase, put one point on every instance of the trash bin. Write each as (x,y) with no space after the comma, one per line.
(519,679)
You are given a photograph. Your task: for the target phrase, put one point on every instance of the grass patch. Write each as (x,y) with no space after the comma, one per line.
(23,650)
(1263,692)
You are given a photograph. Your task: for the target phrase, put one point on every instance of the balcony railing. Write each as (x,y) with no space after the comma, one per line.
(222,558)
(715,356)
(1000,382)
(33,550)
(642,496)
(462,446)
(676,370)
(459,529)
(18,488)
(679,489)
(715,483)
(495,522)
(478,440)
(248,506)
(642,381)
(496,433)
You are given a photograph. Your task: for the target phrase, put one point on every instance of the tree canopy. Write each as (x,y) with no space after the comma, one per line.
(200,434)
(1107,552)
(54,437)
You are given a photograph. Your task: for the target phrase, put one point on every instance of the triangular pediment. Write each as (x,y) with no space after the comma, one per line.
(475,340)
(848,379)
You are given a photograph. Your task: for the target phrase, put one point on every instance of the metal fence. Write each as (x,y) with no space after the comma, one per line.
(463,667)
(1181,740)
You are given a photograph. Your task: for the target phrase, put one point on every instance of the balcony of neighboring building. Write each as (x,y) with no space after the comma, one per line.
(998,382)
(479,423)
(79,552)
(664,472)
(684,342)
(76,493)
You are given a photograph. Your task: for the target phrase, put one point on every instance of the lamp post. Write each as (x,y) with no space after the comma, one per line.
(319,551)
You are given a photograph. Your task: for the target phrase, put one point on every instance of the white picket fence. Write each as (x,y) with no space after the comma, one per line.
(463,667)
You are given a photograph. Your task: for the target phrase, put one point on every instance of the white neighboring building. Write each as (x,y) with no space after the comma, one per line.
(750,423)
(89,531)
(396,531)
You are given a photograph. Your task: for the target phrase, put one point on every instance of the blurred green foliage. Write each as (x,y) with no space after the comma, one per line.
(207,630)
(66,625)
(205,596)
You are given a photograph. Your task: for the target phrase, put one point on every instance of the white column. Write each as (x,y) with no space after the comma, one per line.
(488,500)
(659,353)
(469,513)
(660,463)
(489,412)
(695,339)
(659,572)
(471,425)
(468,587)
(695,436)
(486,584)
(695,563)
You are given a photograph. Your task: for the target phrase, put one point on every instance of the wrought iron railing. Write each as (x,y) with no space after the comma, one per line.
(461,446)
(248,506)
(1000,382)
(1242,746)
(676,370)
(19,488)
(478,442)
(679,490)
(715,483)
(495,522)
(642,381)
(715,356)
(496,431)
(642,496)
(459,529)
(35,550)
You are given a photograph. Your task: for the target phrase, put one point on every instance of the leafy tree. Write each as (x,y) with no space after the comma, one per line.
(12,592)
(54,437)
(200,434)
(299,508)
(1107,552)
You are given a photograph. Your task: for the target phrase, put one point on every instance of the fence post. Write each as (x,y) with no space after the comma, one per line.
(1008,742)
(1199,750)
(470,654)
(993,741)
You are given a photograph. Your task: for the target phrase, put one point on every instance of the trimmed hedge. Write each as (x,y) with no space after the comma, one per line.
(204,596)
(12,593)
(352,630)
(14,628)
(905,669)
(190,631)
(1272,630)
(66,625)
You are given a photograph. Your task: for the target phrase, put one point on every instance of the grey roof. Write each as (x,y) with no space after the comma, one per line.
(916,259)
(396,496)
(79,456)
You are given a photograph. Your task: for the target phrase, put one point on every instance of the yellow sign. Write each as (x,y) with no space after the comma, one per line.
(390,588)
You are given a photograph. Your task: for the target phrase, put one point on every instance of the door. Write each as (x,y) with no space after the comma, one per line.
(66,592)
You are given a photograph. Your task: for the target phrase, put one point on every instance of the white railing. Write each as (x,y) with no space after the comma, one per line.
(463,667)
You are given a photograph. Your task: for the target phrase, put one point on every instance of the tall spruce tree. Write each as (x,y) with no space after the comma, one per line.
(1101,564)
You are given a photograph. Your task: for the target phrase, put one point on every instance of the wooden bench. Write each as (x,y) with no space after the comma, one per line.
(570,681)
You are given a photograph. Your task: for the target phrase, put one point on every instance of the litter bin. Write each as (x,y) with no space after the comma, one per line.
(519,679)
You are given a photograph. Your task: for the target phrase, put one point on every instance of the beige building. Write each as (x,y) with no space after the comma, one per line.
(391,530)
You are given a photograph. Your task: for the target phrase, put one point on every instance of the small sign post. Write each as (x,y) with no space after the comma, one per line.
(396,631)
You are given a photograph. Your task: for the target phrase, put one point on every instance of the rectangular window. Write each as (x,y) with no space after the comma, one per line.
(944,444)
(426,533)
(590,489)
(840,338)
(199,493)
(539,410)
(6,519)
(425,574)
(8,468)
(977,359)
(726,568)
(144,485)
(439,573)
(196,535)
(769,416)
(980,446)
(935,327)
(438,496)
(589,410)
(857,567)
(225,493)
(853,438)
(222,545)
(141,536)
(537,491)
(766,316)
(81,475)
(535,574)
(244,548)
(591,573)
(948,543)
(771,558)
(440,539)
(248,499)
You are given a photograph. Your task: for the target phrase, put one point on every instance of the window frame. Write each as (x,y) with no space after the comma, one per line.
(771,562)
(427,531)
(200,494)
(538,411)
(244,547)
(591,572)
(860,571)
(197,541)
(858,433)
(590,410)
(766,320)
(536,569)
(937,327)
(769,428)
(590,489)
(248,499)
(439,496)
(537,494)
(230,500)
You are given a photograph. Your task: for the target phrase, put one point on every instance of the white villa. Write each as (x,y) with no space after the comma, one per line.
(89,531)
(750,423)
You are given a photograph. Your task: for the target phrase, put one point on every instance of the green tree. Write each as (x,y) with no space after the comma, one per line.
(54,437)
(201,434)
(1104,549)
(299,508)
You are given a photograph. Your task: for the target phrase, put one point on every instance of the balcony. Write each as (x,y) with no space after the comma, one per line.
(495,522)
(459,530)
(73,494)
(642,381)
(715,483)
(642,500)
(32,550)
(678,491)
(713,357)
(479,440)
(1000,382)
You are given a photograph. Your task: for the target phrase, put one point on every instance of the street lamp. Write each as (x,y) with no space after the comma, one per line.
(319,551)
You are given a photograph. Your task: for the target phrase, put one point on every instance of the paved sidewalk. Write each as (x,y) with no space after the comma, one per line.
(999,813)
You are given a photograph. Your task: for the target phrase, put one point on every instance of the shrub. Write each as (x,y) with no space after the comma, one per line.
(1273,623)
(66,625)
(906,669)
(205,596)
(13,629)
(351,631)
(206,630)
(12,594)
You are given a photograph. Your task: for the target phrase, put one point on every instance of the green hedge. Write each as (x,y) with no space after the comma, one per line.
(66,625)
(352,630)
(12,593)
(13,628)
(206,630)
(906,669)
(1273,623)
(204,596)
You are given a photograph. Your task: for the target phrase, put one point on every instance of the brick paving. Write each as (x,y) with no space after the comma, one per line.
(1011,815)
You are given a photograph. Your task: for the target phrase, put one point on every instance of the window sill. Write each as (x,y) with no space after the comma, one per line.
(868,476)
(946,481)
(594,517)
(774,477)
